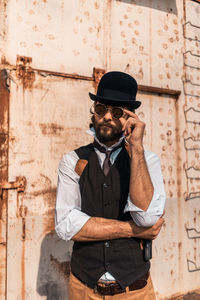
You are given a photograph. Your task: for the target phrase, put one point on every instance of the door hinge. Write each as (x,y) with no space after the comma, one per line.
(19,184)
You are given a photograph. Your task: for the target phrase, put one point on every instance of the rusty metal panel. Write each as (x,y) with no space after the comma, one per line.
(3,27)
(4,127)
(162,51)
(59,35)
(155,41)
(159,114)
(190,135)
(43,128)
(146,40)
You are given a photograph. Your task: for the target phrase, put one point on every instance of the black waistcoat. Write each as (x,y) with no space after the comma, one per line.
(106,196)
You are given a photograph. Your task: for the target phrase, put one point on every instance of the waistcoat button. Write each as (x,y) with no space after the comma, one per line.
(107,244)
(105,185)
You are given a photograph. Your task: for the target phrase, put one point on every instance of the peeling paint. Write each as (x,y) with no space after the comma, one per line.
(51,129)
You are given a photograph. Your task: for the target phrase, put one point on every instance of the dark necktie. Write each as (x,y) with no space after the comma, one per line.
(106,163)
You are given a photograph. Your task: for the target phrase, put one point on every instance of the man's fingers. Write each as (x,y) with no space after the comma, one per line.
(129,125)
(159,223)
(131,122)
(157,227)
(131,114)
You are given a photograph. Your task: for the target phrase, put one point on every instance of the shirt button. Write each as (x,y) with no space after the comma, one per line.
(105,185)
(107,244)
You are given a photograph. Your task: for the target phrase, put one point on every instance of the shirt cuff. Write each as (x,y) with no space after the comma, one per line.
(149,217)
(72,224)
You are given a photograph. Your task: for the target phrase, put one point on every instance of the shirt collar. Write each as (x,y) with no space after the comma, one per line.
(92,132)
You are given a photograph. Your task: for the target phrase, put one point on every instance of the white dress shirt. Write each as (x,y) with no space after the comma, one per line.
(69,218)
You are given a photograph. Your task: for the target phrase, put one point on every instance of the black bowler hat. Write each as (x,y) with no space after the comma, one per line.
(118,89)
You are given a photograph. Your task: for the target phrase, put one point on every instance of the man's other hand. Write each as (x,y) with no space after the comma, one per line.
(148,233)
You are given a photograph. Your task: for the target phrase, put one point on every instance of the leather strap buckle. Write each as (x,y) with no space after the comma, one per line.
(114,288)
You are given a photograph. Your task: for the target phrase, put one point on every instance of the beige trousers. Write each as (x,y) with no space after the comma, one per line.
(79,291)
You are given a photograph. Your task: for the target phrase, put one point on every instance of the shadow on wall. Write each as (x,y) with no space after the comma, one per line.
(168,6)
(54,267)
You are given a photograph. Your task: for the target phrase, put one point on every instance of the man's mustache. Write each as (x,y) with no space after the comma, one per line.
(106,124)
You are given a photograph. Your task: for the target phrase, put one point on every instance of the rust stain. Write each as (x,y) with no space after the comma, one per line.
(87,14)
(44,189)
(51,129)
(23,275)
(4,128)
(25,162)
(169,132)
(133,41)
(49,222)
(141,48)
(97,74)
(23,211)
(168,75)
(62,267)
(19,19)
(165,46)
(31,12)
(35,28)
(166,27)
(24,71)
(23,229)
(3,60)
(96,5)
(43,192)
(141,74)
(51,37)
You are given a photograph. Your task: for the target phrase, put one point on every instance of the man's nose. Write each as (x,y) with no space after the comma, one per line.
(108,115)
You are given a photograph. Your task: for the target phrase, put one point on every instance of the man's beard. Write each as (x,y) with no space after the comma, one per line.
(108,135)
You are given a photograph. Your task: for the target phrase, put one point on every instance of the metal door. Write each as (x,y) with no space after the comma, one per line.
(4,108)
(54,53)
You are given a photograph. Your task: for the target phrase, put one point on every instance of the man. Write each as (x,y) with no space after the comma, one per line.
(110,197)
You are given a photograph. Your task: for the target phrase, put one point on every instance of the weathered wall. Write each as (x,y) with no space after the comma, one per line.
(155,41)
(4,128)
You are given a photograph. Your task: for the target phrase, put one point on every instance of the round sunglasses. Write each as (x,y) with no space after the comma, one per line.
(102,109)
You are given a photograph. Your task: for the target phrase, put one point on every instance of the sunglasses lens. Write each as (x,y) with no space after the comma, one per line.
(117,112)
(100,109)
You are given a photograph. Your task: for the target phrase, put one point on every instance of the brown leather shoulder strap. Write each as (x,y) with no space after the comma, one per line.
(80,166)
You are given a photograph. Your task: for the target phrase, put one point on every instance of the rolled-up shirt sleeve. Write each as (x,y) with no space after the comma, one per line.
(156,208)
(69,219)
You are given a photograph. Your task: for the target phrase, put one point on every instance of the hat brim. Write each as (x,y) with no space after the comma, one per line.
(108,101)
